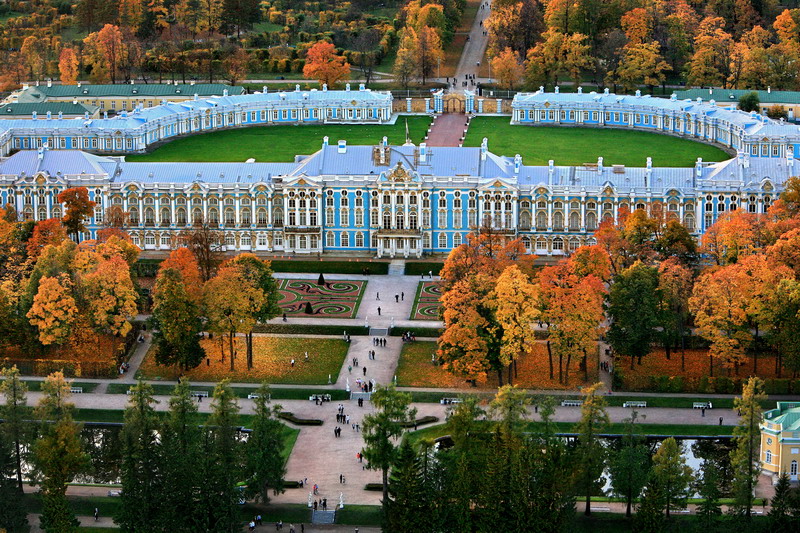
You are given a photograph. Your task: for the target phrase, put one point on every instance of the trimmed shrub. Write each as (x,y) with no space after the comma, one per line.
(777,386)
(420,421)
(320,329)
(418,268)
(331,267)
(289,417)
(417,332)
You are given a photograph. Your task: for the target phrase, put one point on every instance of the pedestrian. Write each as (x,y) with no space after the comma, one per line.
(703,412)
(292,362)
(720,421)
(349,369)
(291,528)
(348,419)
(315,505)
(340,478)
(284,317)
(306,357)
(365,371)
(344,480)
(251,526)
(379,311)
(397,298)
(302,528)
(402,296)
(378,296)
(96,514)
(258,520)
(335,435)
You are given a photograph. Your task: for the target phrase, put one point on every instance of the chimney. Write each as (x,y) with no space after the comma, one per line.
(557,89)
(324,86)
(769,90)
(79,85)
(710,91)
(673,97)
(74,101)
(131,82)
(541,88)
(517,163)
(580,90)
(49,115)
(385,141)
(600,165)
(698,167)
(648,172)
(551,170)
(190,83)
(196,97)
(40,153)
(361,87)
(342,147)
(49,83)
(34,115)
(60,114)
(423,153)
(325,141)
(638,93)
(297,87)
(605,91)
(264,89)
(86,115)
(105,114)
(225,92)
(484,148)
(25,86)
(347,87)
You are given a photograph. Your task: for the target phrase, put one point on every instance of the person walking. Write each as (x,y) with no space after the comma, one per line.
(397,298)
(96,514)
(379,311)
(365,373)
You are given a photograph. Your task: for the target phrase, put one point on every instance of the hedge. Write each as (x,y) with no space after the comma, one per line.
(331,267)
(322,329)
(421,421)
(707,385)
(289,417)
(71,368)
(417,332)
(418,268)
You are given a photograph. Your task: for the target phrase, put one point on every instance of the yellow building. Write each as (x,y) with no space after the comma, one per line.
(780,439)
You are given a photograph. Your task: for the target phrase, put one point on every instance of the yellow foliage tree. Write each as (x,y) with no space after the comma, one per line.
(110,296)
(68,66)
(53,312)
(323,65)
(507,68)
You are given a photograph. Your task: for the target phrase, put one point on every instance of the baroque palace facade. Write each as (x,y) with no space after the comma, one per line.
(405,201)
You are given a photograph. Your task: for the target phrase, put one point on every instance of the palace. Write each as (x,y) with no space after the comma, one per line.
(780,440)
(391,201)
(384,200)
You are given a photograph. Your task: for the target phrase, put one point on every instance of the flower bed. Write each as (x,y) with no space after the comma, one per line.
(334,299)
(427,301)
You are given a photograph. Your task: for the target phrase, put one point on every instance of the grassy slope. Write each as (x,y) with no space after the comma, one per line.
(575,146)
(281,142)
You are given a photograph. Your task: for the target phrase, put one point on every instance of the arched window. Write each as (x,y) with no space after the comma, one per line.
(793,470)
(591,221)
(359,239)
(412,221)
(165,216)
(558,221)
(261,217)
(230,217)
(387,220)
(541,221)
(399,220)
(574,221)
(525,220)
(246,217)
(345,239)
(149,217)
(768,457)
(442,240)
(558,243)
(456,240)
(181,216)
(197,216)
(330,240)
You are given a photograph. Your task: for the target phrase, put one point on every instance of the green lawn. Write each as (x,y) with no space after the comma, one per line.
(575,146)
(281,142)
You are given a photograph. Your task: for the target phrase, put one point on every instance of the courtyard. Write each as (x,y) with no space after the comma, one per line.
(576,146)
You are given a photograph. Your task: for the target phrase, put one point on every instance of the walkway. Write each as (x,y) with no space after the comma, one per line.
(448,129)
(474,48)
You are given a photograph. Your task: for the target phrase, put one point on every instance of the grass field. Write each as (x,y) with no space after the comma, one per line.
(281,142)
(271,362)
(575,146)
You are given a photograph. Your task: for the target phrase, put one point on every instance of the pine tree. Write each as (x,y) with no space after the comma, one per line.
(649,515)
(590,451)
(13,514)
(141,462)
(671,475)
(629,465)
(745,456)
(707,487)
(780,517)
(15,413)
(406,492)
(180,464)
(222,462)
(265,464)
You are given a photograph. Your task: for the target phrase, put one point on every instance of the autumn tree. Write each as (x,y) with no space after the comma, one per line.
(590,453)
(16,414)
(507,68)
(106,52)
(323,65)
(183,260)
(406,63)
(78,207)
(641,64)
(429,50)
(111,296)
(671,475)
(54,311)
(514,303)
(674,288)
(746,457)
(177,314)
(557,55)
(235,64)
(206,244)
(34,54)
(57,455)
(230,301)
(45,232)
(710,63)
(68,66)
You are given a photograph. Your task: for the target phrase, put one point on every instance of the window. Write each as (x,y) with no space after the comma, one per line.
(359,240)
(329,217)
(768,457)
(558,244)
(442,240)
(793,469)
(345,239)
(456,240)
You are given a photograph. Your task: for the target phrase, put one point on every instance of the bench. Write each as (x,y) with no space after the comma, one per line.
(321,397)
(76,390)
(601,509)
(634,404)
(255,396)
(571,403)
(449,401)
(129,392)
(115,493)
(199,394)
(701,405)
(681,511)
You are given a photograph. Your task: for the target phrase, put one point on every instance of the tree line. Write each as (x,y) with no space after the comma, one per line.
(749,44)
(178,473)
(647,275)
(504,472)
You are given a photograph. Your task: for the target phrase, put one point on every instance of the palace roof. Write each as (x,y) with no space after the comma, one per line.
(787,415)
(41,93)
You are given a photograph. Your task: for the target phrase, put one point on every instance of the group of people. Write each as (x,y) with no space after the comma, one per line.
(379,341)
(409,337)
(605,365)
(364,386)
(322,503)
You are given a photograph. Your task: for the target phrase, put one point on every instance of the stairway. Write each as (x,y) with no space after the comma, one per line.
(323,517)
(397,267)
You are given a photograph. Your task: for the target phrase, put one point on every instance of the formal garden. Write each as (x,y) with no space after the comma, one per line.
(426,301)
(272,361)
(329,299)
(576,146)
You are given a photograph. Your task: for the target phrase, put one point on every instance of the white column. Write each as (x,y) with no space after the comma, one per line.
(583,213)
(549,214)
(236,207)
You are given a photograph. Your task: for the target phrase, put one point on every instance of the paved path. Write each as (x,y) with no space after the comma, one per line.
(474,49)
(447,130)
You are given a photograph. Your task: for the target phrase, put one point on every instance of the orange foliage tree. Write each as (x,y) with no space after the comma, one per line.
(68,66)
(323,65)
(507,68)
(78,208)
(110,296)
(54,310)
(45,232)
(183,260)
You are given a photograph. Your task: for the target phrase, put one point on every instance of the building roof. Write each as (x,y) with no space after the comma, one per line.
(732,95)
(41,108)
(787,414)
(42,93)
